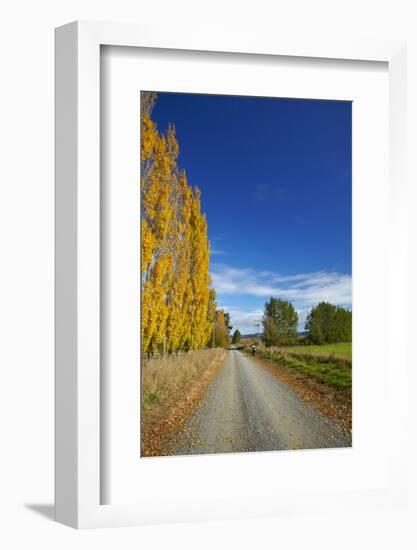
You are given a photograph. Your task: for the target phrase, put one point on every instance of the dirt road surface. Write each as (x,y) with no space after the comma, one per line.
(247,409)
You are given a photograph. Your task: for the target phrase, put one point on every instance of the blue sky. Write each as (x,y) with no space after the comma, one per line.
(275,176)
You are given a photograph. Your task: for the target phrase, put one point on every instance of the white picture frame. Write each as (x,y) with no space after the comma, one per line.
(77,393)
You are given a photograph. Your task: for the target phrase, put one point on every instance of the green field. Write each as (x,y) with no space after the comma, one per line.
(339,350)
(329,364)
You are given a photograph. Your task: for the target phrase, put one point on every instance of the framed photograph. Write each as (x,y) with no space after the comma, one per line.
(229,213)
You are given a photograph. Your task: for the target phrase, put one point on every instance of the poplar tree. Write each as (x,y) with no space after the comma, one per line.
(220,335)
(157,184)
(179,296)
(177,301)
(200,257)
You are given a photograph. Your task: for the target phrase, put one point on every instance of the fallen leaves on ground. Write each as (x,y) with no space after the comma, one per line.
(337,404)
(163,420)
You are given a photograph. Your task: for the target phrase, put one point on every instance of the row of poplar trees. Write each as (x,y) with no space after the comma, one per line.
(177,301)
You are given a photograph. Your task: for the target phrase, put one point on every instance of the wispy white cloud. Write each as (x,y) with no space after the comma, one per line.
(244,320)
(216,252)
(304,290)
(219,237)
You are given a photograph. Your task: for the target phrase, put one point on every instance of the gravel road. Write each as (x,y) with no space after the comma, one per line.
(247,409)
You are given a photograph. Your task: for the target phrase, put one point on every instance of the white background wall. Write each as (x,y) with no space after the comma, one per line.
(26,270)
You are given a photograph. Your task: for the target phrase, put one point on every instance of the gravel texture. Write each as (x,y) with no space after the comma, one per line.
(247,409)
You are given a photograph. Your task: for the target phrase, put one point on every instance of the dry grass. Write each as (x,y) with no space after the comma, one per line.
(342,350)
(171,390)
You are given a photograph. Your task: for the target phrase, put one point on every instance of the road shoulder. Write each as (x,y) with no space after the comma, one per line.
(165,420)
(336,404)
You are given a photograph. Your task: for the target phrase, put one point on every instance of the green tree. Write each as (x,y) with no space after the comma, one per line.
(270,334)
(236,337)
(279,321)
(227,322)
(327,323)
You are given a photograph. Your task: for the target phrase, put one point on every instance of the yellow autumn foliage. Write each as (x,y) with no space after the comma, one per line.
(177,301)
(220,333)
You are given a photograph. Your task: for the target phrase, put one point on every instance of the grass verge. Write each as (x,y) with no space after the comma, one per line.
(341,350)
(330,370)
(171,391)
